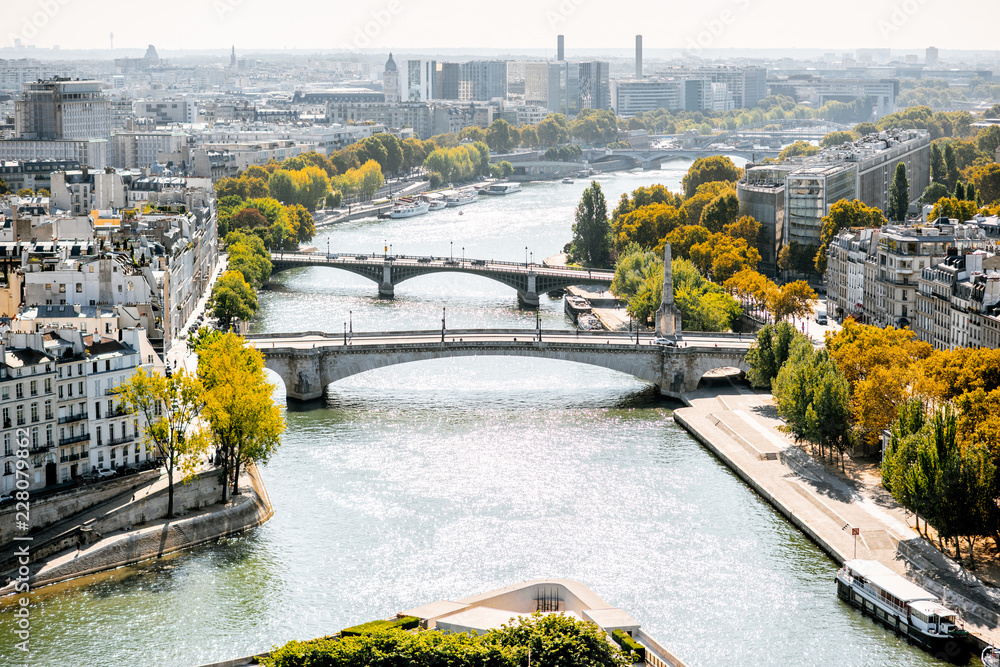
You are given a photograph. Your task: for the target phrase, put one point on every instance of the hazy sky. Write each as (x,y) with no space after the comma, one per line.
(384,25)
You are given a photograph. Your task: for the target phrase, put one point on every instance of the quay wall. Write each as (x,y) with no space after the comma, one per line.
(248,510)
(54,508)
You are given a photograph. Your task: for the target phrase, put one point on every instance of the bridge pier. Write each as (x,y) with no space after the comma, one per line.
(385,287)
(527,299)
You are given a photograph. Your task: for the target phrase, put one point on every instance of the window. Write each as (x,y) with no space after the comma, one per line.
(34,412)
(20,389)
(34,437)
(60,391)
(48,385)
(6,393)
(80,387)
(20,415)
(34,387)
(79,288)
(48,435)
(6,445)
(62,288)
(99,436)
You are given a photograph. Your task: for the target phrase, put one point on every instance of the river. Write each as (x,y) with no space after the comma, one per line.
(443,479)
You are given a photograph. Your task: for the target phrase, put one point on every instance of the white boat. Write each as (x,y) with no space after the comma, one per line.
(461,197)
(503,188)
(435,201)
(568,181)
(902,606)
(407,207)
(990,657)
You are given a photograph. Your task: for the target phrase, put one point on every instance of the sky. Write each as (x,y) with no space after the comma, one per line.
(508,25)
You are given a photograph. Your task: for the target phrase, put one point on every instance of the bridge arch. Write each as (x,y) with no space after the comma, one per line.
(306,372)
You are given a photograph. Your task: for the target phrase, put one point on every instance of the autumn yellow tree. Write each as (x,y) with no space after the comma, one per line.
(245,422)
(168,407)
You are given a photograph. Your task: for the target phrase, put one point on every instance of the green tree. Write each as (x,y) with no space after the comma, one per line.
(951,165)
(499,136)
(281,186)
(393,152)
(799,148)
(168,407)
(707,169)
(636,273)
(986,179)
(960,191)
(899,194)
(231,299)
(591,244)
(721,211)
(864,129)
(239,404)
(838,138)
(3,187)
(769,352)
(939,171)
(933,192)
(249,256)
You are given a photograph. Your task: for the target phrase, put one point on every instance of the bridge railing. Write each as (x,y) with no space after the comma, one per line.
(346,256)
(617,335)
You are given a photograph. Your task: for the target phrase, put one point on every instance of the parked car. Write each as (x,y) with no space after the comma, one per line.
(104,473)
(6,498)
(479,262)
(333,255)
(425,260)
(451,262)
(666,342)
(361,258)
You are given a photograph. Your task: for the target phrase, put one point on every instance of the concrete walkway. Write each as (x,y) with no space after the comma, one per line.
(741,428)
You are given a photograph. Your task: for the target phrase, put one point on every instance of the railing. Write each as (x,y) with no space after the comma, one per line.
(345,257)
(74,439)
(39,449)
(121,441)
(117,412)
(73,418)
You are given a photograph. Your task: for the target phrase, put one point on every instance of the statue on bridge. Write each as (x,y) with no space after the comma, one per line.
(668,318)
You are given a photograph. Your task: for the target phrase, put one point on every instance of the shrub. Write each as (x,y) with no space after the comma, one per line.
(403,623)
(629,645)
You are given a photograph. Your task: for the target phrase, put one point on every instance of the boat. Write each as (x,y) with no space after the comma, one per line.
(407,207)
(568,181)
(435,202)
(503,188)
(904,607)
(990,657)
(461,197)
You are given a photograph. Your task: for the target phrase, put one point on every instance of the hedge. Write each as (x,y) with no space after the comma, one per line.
(404,623)
(629,645)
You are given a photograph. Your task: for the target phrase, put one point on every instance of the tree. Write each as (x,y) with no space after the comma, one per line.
(769,352)
(704,305)
(799,148)
(838,138)
(951,165)
(231,299)
(951,207)
(499,136)
(239,405)
(25,192)
(647,226)
(986,179)
(591,244)
(960,191)
(792,300)
(282,187)
(707,169)
(636,273)
(168,407)
(248,218)
(899,194)
(721,211)
(746,228)
(529,136)
(3,187)
(939,171)
(705,193)
(933,192)
(845,214)
(550,132)
(393,152)
(864,129)
(249,256)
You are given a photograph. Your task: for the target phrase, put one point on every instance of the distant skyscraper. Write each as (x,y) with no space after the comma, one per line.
(232,58)
(638,56)
(63,109)
(561,48)
(931,57)
(595,86)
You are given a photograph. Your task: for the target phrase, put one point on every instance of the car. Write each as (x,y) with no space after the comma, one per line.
(333,255)
(104,473)
(451,262)
(6,498)
(361,258)
(425,260)
(479,262)
(666,342)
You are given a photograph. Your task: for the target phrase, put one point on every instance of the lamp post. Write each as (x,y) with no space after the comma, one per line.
(525,256)
(350,317)
(385,248)
(390,248)
(345,333)
(328,249)
(463,255)
(451,251)
(442,323)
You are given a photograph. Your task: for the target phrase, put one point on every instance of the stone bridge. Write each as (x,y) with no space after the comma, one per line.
(387,271)
(307,363)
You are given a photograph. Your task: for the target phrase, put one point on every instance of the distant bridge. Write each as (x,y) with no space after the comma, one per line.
(387,271)
(308,362)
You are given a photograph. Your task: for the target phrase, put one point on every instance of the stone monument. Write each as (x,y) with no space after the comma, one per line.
(668,318)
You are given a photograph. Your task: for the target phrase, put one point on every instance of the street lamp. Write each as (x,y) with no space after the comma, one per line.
(385,248)
(463,255)
(451,250)
(525,256)
(442,324)
(350,317)
(345,333)
(328,249)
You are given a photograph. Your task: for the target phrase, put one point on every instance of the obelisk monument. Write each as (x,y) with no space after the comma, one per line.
(668,318)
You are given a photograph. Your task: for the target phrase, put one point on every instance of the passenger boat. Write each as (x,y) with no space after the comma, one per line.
(503,188)
(435,202)
(990,657)
(568,181)
(407,207)
(904,607)
(461,197)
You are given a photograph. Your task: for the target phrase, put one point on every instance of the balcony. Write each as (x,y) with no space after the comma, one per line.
(73,440)
(39,449)
(117,412)
(79,416)
(125,439)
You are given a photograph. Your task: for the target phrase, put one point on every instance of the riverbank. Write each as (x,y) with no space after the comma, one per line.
(131,534)
(742,430)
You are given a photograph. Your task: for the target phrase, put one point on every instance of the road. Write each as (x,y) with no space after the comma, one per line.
(526,336)
(353,259)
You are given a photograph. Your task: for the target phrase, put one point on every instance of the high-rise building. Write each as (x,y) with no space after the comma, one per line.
(416,80)
(63,109)
(931,56)
(555,86)
(746,85)
(633,96)
(595,85)
(482,80)
(447,82)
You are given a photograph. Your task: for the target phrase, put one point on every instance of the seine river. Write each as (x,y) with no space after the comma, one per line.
(443,479)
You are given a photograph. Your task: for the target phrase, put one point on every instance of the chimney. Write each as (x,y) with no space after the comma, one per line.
(638,56)
(561,49)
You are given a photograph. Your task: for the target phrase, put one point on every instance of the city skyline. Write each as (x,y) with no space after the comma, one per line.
(449,24)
